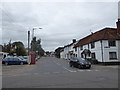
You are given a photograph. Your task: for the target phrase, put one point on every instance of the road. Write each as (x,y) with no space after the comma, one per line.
(51,72)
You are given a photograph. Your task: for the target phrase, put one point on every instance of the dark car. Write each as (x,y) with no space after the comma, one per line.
(79,63)
(14,60)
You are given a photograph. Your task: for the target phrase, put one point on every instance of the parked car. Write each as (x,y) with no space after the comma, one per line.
(24,57)
(79,63)
(37,58)
(14,60)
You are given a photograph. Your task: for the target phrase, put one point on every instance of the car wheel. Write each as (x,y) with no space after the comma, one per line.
(79,66)
(89,67)
(6,63)
(70,65)
(21,63)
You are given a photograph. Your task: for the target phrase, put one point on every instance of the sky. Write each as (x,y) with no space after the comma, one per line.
(60,21)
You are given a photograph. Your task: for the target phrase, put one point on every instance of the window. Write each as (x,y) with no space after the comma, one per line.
(112,55)
(112,43)
(76,55)
(93,56)
(88,46)
(75,48)
(81,47)
(93,45)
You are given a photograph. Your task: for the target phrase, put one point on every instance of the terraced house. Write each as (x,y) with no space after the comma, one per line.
(69,51)
(103,45)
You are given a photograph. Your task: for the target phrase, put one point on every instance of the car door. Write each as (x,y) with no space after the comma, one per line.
(16,60)
(11,60)
(76,63)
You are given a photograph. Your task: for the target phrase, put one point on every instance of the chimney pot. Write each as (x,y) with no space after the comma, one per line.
(118,26)
(74,40)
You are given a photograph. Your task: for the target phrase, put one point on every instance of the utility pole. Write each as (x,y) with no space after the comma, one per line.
(28,42)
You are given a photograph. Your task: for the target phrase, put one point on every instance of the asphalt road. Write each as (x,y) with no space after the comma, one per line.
(50,72)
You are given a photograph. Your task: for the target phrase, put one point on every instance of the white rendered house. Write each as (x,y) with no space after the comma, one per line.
(104,45)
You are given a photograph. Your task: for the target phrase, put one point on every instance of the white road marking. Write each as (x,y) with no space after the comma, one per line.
(56,63)
(96,70)
(69,70)
(80,70)
(88,70)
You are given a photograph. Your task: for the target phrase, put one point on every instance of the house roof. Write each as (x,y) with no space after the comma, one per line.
(104,34)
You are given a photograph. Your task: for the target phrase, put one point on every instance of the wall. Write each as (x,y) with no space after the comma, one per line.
(111,49)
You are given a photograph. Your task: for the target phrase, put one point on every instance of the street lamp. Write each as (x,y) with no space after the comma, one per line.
(33,32)
(29,38)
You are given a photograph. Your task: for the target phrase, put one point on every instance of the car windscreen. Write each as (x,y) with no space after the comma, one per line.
(81,60)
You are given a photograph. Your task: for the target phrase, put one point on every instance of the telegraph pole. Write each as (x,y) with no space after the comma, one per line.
(28,42)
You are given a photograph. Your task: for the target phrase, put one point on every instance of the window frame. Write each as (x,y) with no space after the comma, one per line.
(92,45)
(114,55)
(81,47)
(112,43)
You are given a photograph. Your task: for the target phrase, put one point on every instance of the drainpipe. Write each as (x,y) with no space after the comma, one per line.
(102,50)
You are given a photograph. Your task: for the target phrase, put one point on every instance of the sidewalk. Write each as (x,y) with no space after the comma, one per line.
(106,66)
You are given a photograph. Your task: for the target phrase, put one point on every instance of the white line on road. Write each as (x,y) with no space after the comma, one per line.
(80,70)
(87,70)
(56,63)
(69,70)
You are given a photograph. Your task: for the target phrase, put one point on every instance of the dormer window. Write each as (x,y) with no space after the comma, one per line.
(112,43)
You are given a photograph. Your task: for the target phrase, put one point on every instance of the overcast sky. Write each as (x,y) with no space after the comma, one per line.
(60,21)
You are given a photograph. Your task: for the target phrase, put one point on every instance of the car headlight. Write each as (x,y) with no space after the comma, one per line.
(89,63)
(82,63)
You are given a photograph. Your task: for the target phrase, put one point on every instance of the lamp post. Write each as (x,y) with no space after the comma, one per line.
(33,31)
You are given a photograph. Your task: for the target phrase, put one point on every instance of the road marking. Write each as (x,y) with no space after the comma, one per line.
(69,70)
(87,70)
(56,63)
(96,70)
(80,70)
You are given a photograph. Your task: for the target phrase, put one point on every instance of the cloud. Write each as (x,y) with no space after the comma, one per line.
(61,21)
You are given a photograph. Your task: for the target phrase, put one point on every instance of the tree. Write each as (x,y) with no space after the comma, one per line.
(20,51)
(15,48)
(36,46)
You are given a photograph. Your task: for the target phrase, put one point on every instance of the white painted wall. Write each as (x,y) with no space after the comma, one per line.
(62,55)
(111,49)
(106,50)
(119,50)
(97,50)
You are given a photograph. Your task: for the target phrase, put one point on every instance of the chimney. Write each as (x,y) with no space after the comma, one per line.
(74,40)
(118,26)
